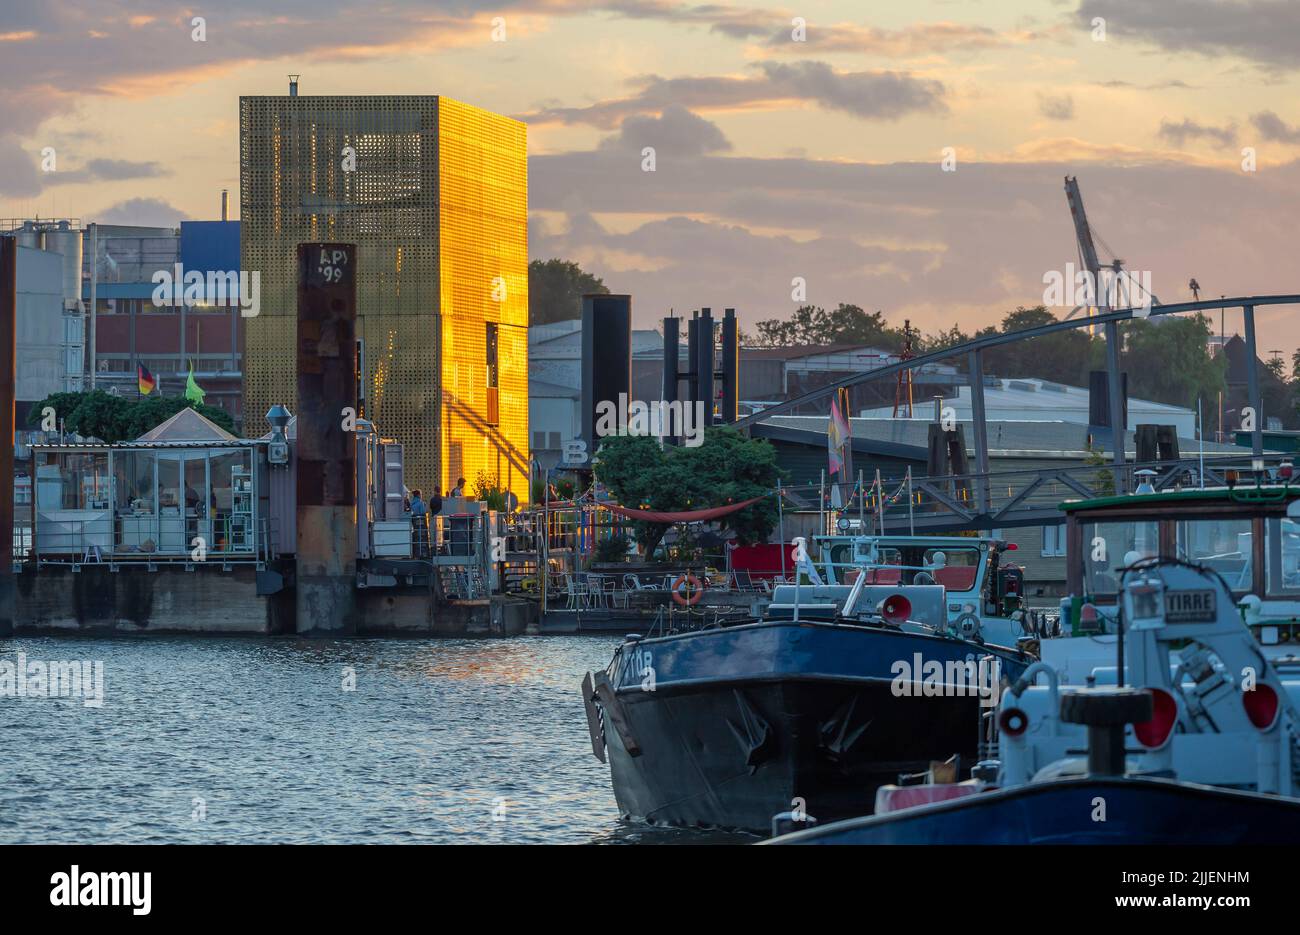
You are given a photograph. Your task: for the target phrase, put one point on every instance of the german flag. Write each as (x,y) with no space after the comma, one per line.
(147,382)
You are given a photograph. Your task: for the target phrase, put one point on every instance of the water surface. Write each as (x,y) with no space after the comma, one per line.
(258,741)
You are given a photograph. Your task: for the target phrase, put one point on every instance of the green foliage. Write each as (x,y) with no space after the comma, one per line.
(1278,393)
(555,290)
(112,419)
(1062,357)
(1168,360)
(612,548)
(1103,481)
(490,492)
(726,468)
(846,324)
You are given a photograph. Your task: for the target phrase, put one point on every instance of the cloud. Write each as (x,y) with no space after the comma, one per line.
(1179,133)
(107,170)
(676,131)
(130,47)
(21,178)
(1152,86)
(1056,108)
(938,247)
(777,29)
(884,95)
(867,95)
(918,39)
(1262,31)
(22,111)
(145,212)
(1274,129)
(735,22)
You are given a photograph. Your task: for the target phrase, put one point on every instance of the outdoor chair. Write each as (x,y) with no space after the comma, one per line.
(633,583)
(617,596)
(596,591)
(577,590)
(743,580)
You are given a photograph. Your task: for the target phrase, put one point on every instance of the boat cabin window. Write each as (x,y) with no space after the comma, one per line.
(955,569)
(843,556)
(1283,540)
(1108,547)
(1223,545)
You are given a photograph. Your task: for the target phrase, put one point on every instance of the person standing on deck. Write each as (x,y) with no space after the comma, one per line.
(419,526)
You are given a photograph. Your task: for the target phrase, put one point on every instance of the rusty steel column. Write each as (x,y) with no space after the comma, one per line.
(8,390)
(326,459)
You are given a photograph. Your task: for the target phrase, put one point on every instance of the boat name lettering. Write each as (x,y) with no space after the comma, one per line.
(1190,606)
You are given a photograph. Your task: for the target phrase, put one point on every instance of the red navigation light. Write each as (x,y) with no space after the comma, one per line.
(1013,722)
(1261,706)
(1154,734)
(895,609)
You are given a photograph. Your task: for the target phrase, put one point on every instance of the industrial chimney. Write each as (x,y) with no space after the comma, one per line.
(225,204)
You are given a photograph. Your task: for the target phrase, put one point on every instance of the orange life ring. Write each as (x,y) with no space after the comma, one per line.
(694,587)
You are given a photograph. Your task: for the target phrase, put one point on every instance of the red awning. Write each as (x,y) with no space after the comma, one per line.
(691,516)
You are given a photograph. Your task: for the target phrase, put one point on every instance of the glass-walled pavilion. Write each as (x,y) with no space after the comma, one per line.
(174,501)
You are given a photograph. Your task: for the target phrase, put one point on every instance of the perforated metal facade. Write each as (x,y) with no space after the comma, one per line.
(434,194)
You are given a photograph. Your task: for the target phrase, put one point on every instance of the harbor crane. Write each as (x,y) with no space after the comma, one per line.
(1087,240)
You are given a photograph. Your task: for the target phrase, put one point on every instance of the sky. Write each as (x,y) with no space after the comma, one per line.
(806,143)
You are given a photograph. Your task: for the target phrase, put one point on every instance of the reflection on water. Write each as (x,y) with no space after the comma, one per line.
(257,740)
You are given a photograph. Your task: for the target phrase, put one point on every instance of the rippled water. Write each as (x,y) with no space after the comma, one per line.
(256,741)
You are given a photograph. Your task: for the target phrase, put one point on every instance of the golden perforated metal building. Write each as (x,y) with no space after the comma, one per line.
(434,193)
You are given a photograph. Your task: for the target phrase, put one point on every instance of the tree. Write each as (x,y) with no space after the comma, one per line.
(845,324)
(556,288)
(1062,357)
(941,339)
(112,419)
(1169,360)
(726,468)
(1277,393)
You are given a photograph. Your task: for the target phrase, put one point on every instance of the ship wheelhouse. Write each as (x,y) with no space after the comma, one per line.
(1241,532)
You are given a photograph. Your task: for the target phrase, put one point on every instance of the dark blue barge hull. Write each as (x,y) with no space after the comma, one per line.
(1079,811)
(728,727)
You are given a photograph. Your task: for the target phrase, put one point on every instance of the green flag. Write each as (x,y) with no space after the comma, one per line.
(193,392)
